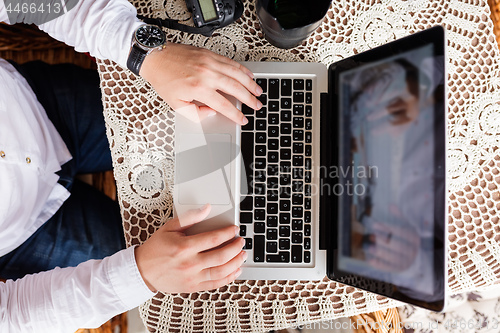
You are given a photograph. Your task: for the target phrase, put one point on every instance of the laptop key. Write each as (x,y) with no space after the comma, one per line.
(260,202)
(309,98)
(296,237)
(260,163)
(272,247)
(307,176)
(272,234)
(274,119)
(260,215)
(285,179)
(308,125)
(286,87)
(307,203)
(298,160)
(273,131)
(298,147)
(272,221)
(285,154)
(298,97)
(262,83)
(286,115)
(246,110)
(263,99)
(297,225)
(296,253)
(284,231)
(282,257)
(298,109)
(297,212)
(272,208)
(260,125)
(247,203)
(297,173)
(286,103)
(260,150)
(259,248)
(286,128)
(260,137)
(307,256)
(286,141)
(250,125)
(285,205)
(246,217)
(259,227)
(307,243)
(273,157)
(309,111)
(308,137)
(298,135)
(243,230)
(308,150)
(273,106)
(262,113)
(272,195)
(307,216)
(248,244)
(298,122)
(284,244)
(297,199)
(274,88)
(309,85)
(298,84)
(259,188)
(273,144)
(284,218)
(307,230)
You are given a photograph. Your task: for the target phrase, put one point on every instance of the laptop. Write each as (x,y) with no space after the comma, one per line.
(340,174)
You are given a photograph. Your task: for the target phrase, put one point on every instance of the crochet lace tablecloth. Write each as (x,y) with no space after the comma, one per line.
(140,129)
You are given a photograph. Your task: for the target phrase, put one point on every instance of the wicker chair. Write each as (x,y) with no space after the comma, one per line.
(23,43)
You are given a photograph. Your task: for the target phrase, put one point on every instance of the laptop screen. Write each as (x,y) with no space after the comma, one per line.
(390,211)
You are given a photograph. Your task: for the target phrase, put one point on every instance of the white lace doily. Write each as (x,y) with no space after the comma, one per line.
(141,133)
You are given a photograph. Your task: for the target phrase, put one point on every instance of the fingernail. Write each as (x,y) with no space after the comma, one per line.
(250,74)
(205,206)
(259,105)
(236,231)
(211,113)
(244,121)
(245,256)
(259,90)
(238,273)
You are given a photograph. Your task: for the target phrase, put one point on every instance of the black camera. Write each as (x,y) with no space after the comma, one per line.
(214,13)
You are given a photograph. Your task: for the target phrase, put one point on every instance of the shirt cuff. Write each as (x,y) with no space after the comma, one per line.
(126,279)
(125,32)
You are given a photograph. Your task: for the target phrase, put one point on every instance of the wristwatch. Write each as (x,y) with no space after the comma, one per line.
(147,38)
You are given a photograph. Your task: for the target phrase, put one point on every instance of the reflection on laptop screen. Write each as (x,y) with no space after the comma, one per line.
(388,107)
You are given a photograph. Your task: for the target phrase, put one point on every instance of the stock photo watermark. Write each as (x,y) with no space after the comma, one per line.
(37,11)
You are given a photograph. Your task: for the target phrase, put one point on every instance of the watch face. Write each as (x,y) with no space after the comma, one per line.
(150,36)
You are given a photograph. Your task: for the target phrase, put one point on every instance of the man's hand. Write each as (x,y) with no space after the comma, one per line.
(183,74)
(172,262)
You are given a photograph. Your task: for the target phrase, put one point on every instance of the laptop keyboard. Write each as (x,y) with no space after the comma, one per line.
(276,145)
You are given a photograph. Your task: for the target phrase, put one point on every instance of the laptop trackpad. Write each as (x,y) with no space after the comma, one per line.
(203,170)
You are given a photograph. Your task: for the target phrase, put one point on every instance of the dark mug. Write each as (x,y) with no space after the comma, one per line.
(286,23)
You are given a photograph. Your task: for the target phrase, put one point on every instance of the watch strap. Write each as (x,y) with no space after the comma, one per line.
(136,58)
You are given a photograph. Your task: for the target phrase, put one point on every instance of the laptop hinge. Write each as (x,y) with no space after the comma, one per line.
(325,152)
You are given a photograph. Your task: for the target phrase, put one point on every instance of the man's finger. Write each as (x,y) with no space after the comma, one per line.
(216,101)
(221,271)
(211,239)
(223,255)
(188,219)
(214,284)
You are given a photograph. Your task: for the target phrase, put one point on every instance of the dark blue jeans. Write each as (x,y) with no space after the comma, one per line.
(88,225)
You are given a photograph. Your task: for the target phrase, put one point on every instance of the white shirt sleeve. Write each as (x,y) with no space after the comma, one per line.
(64,300)
(102,27)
